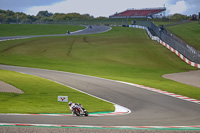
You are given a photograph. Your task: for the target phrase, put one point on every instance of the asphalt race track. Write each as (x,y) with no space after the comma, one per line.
(148,108)
(93,30)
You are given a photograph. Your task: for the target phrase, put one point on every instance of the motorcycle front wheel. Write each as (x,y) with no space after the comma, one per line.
(86,113)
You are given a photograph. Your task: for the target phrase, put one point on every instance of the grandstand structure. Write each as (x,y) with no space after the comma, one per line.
(141,13)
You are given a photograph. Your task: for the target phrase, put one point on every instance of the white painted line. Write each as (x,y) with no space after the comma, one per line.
(131,84)
(192,64)
(186,60)
(181,56)
(119,108)
(126,110)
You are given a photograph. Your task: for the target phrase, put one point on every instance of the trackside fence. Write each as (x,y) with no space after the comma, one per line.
(183,50)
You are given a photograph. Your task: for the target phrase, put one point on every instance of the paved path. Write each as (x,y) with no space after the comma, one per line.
(93,30)
(181,22)
(148,108)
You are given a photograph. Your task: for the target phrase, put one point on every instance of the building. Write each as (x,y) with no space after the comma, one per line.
(141,13)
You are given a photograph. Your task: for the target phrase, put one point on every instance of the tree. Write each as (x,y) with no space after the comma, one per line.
(2,17)
(22,17)
(60,17)
(32,18)
(26,21)
(2,11)
(44,14)
(101,17)
(179,17)
(46,19)
(9,13)
(86,16)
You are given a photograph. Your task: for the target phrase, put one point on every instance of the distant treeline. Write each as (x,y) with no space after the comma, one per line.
(8,16)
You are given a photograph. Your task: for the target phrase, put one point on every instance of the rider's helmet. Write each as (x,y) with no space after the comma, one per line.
(70,103)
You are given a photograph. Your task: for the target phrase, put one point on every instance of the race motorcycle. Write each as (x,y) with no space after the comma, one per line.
(80,111)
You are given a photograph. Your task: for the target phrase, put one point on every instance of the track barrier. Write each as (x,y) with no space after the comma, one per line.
(184,57)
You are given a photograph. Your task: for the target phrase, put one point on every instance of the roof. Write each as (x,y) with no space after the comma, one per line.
(139,12)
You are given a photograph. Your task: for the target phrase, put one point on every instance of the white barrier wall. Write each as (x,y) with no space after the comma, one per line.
(166,45)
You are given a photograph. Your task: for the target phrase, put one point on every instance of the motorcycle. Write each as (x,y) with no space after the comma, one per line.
(80,111)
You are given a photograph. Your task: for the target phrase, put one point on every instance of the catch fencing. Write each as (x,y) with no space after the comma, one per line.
(186,50)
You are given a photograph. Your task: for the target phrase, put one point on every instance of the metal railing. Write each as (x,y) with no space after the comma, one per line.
(186,50)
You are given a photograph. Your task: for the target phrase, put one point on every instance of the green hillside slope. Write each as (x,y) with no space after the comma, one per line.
(124,54)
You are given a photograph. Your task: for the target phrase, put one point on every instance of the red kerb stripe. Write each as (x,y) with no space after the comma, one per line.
(189,62)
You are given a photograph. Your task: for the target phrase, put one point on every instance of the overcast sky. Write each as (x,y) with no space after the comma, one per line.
(98,7)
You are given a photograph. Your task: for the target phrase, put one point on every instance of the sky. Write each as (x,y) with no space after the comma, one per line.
(98,8)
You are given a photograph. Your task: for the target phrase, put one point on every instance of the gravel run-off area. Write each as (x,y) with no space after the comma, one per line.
(4,87)
(190,78)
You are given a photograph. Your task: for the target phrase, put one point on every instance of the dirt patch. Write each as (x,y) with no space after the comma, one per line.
(86,40)
(4,87)
(70,44)
(190,78)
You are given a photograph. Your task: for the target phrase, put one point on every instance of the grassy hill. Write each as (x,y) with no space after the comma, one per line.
(40,96)
(189,32)
(122,54)
(35,29)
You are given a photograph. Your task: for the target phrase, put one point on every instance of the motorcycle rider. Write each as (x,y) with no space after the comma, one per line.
(73,105)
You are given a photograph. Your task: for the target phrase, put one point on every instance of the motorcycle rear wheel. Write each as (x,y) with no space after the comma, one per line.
(77,113)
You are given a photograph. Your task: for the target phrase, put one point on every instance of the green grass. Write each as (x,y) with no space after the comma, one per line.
(35,29)
(164,22)
(189,32)
(40,96)
(124,54)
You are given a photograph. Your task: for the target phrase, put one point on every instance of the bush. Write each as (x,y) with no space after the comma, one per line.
(179,17)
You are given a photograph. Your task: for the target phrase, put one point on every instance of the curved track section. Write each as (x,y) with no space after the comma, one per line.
(93,30)
(148,108)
